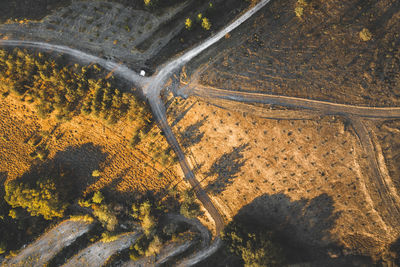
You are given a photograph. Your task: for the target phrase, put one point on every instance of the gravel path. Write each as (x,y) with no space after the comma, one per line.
(98,253)
(49,244)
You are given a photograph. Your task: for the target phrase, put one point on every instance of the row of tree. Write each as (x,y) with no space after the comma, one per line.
(68,90)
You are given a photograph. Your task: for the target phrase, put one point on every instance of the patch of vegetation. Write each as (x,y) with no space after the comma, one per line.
(31,202)
(67,91)
(39,199)
(253,243)
(147,212)
(189,207)
(46,190)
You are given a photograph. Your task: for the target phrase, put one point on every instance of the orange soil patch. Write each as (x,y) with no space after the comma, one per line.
(86,144)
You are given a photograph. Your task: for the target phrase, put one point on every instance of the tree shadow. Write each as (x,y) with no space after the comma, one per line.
(304,221)
(226,169)
(394,253)
(179,116)
(71,168)
(301,227)
(192,135)
(82,160)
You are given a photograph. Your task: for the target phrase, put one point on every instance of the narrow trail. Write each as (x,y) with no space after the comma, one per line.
(328,108)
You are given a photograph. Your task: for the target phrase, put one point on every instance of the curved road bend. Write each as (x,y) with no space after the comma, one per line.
(326,107)
(118,69)
(383,186)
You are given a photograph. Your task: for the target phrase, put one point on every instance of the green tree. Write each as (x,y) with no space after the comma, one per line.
(255,245)
(41,199)
(189,207)
(206,24)
(144,213)
(98,197)
(106,217)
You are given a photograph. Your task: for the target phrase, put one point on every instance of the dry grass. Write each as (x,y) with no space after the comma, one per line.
(86,145)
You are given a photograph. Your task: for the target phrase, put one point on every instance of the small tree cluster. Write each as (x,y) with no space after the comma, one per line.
(201,20)
(42,199)
(68,90)
(189,207)
(254,244)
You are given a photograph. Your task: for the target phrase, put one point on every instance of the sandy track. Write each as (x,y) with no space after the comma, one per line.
(98,253)
(48,245)
(328,108)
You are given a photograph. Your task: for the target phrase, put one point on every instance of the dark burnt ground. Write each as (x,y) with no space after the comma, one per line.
(220,14)
(319,56)
(28,9)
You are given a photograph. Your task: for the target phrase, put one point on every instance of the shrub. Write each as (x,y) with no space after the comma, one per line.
(98,197)
(365,35)
(108,237)
(188,23)
(206,24)
(96,173)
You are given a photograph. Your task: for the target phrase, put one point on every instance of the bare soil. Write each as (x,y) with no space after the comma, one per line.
(302,178)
